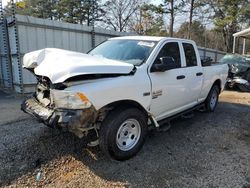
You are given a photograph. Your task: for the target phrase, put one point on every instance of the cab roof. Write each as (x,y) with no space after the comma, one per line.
(149,38)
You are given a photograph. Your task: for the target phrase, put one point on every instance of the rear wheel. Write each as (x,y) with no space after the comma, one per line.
(122,133)
(212,99)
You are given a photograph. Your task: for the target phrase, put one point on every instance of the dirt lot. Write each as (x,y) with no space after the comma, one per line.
(208,150)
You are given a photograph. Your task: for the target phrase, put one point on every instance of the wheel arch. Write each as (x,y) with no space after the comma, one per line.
(127,103)
(218,83)
(124,104)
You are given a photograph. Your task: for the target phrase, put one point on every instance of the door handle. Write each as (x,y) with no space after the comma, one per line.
(180,77)
(199,73)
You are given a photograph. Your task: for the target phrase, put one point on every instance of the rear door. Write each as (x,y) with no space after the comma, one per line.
(193,73)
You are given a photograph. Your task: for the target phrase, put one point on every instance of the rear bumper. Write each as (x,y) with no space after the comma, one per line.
(73,120)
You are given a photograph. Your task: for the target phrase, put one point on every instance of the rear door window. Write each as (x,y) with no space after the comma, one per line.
(190,55)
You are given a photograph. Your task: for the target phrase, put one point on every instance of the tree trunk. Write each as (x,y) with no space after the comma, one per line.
(120,23)
(190,19)
(225,39)
(171,29)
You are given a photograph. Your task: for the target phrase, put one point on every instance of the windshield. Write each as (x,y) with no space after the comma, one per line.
(234,59)
(130,51)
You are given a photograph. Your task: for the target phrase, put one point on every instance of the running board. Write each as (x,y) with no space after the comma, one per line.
(167,120)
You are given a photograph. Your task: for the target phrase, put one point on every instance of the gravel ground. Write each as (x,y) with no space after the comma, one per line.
(207,150)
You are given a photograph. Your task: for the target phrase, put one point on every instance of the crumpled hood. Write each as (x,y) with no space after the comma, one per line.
(59,65)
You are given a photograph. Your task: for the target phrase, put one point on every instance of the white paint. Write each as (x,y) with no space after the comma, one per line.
(234,44)
(180,95)
(177,95)
(244,46)
(145,38)
(59,65)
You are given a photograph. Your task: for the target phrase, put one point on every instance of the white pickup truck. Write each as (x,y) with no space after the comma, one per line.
(120,88)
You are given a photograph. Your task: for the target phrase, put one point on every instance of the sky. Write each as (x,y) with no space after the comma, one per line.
(4,2)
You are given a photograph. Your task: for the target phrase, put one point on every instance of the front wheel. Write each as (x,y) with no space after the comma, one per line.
(122,133)
(212,99)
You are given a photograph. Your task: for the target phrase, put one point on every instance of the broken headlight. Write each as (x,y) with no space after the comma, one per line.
(69,100)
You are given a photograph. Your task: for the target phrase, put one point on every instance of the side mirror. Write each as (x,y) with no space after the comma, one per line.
(166,63)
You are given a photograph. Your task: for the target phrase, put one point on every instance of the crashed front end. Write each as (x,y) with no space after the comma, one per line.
(59,108)
(54,102)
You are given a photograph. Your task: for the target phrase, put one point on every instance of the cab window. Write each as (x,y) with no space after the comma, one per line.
(190,55)
(170,49)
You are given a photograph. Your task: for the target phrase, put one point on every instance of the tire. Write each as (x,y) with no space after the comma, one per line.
(122,133)
(212,99)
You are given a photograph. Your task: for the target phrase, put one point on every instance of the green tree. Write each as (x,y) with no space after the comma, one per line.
(72,11)
(91,11)
(197,33)
(36,8)
(147,20)
(68,10)
(79,11)
(228,15)
(172,8)
(193,9)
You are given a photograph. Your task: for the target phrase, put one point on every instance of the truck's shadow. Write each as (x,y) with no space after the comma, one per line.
(166,156)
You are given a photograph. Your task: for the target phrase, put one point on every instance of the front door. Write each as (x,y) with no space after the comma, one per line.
(169,87)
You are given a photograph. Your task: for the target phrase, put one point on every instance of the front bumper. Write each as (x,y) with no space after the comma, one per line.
(33,107)
(74,120)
